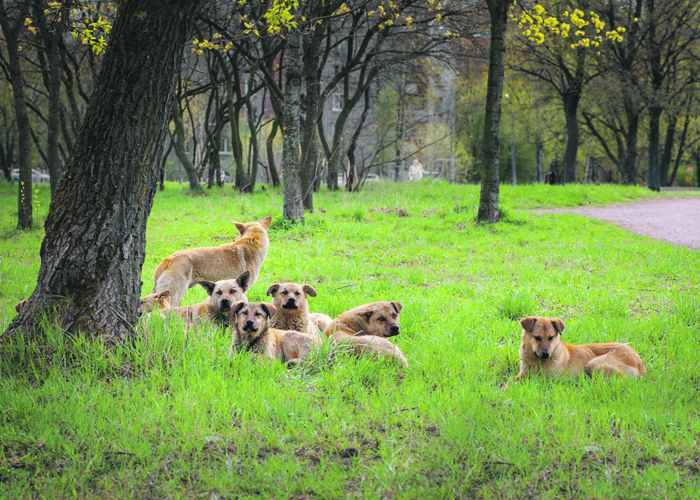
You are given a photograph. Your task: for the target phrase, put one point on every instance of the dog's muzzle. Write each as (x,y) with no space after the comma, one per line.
(290,304)
(249,326)
(225,305)
(543,356)
(394,330)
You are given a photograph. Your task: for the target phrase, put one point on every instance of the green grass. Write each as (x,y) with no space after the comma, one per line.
(172,417)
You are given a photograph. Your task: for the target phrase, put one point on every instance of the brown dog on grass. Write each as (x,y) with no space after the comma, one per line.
(290,301)
(217,308)
(157,301)
(542,350)
(253,333)
(367,329)
(184,269)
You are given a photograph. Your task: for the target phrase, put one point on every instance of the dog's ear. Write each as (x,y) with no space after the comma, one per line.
(243,280)
(367,314)
(272,290)
(265,223)
(309,290)
(208,286)
(558,324)
(269,309)
(237,306)
(163,295)
(397,306)
(239,226)
(20,305)
(528,323)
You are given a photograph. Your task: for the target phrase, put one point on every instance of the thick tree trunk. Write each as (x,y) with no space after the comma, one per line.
(11,29)
(94,248)
(571,100)
(271,154)
(293,207)
(681,145)
(490,182)
(181,152)
(668,150)
(538,160)
(654,174)
(629,171)
(255,148)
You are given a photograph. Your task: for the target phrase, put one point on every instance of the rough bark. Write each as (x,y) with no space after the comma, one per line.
(668,149)
(681,145)
(179,143)
(271,154)
(538,160)
(571,100)
(293,207)
(629,168)
(94,248)
(490,182)
(514,178)
(254,146)
(654,172)
(11,29)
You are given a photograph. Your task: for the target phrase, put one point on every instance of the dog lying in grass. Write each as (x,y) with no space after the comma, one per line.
(252,333)
(367,329)
(543,351)
(290,301)
(184,269)
(216,309)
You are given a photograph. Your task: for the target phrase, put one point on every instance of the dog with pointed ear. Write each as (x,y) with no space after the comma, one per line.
(543,351)
(157,301)
(367,329)
(252,333)
(291,302)
(182,270)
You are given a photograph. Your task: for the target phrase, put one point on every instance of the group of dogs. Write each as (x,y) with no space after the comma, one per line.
(285,330)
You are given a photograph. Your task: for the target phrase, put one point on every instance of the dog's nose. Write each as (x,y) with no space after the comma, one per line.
(394,329)
(544,355)
(249,322)
(225,304)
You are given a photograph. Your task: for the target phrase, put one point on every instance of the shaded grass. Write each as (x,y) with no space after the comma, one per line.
(172,416)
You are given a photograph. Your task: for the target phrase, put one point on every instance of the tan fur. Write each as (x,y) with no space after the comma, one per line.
(252,332)
(543,351)
(182,270)
(290,301)
(157,301)
(367,329)
(217,308)
(20,305)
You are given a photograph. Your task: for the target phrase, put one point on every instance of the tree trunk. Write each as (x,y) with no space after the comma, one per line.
(52,40)
(512,151)
(490,182)
(571,100)
(255,153)
(94,248)
(629,171)
(668,149)
(271,154)
(11,30)
(181,152)
(293,207)
(654,174)
(538,160)
(681,145)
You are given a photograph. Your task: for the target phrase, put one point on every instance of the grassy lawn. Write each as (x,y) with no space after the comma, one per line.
(172,416)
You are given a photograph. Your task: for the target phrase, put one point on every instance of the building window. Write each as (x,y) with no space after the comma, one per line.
(337,102)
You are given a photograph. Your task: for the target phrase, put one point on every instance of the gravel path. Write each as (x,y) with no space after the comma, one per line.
(676,220)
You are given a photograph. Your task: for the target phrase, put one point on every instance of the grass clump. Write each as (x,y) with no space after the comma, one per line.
(172,416)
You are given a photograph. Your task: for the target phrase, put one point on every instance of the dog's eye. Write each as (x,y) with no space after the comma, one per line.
(550,338)
(296,293)
(538,338)
(382,318)
(258,314)
(232,291)
(285,292)
(394,316)
(219,292)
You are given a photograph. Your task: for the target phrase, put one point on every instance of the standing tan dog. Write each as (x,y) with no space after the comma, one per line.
(182,270)
(543,351)
(290,301)
(367,329)
(253,333)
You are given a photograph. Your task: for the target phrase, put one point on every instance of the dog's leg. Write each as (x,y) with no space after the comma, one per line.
(176,284)
(609,365)
(377,346)
(296,347)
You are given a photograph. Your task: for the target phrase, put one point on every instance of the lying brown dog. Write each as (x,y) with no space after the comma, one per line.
(252,333)
(542,350)
(290,301)
(367,328)
(157,301)
(217,308)
(184,269)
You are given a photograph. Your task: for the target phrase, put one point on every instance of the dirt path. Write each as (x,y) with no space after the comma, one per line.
(676,220)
